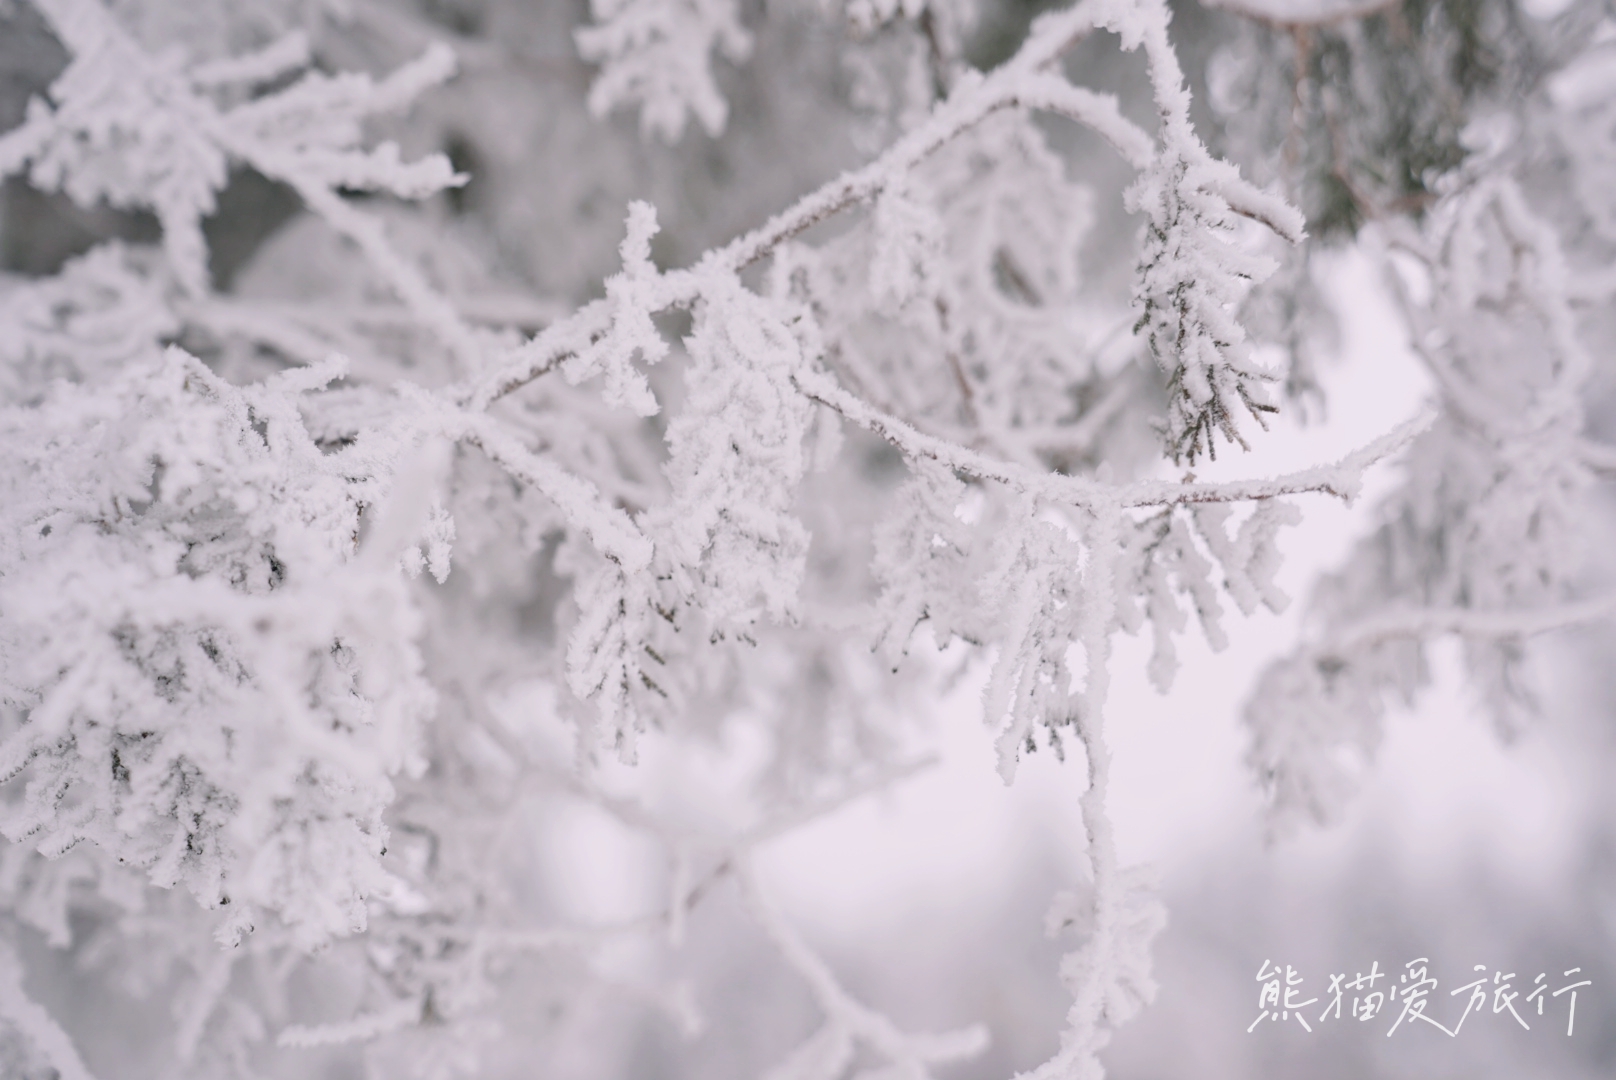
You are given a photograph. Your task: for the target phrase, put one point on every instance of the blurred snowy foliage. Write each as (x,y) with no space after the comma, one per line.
(397,445)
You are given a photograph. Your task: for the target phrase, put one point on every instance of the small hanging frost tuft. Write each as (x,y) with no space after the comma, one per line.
(1035,588)
(655,55)
(633,296)
(434,549)
(1163,559)
(1191,277)
(908,248)
(1116,957)
(729,535)
(1190,281)
(922,560)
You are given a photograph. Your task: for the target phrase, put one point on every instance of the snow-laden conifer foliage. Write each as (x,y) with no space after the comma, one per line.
(718,505)
(1501,274)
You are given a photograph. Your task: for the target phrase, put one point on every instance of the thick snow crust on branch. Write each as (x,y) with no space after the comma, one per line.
(728,497)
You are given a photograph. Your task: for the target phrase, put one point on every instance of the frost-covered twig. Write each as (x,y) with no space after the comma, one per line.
(828,1053)
(29,1018)
(1464,621)
(360,1029)
(1341,478)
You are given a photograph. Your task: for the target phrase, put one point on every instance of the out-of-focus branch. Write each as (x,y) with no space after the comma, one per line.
(1467,622)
